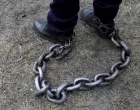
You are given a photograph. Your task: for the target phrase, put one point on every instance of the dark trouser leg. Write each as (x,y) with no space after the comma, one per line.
(106,10)
(62,16)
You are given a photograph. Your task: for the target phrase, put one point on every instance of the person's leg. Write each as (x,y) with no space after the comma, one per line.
(62,16)
(106,10)
(61,20)
(101,18)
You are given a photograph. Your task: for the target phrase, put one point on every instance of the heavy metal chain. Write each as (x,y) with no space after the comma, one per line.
(59,51)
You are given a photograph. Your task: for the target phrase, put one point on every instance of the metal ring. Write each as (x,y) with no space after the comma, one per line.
(81,80)
(115,42)
(102,76)
(50,55)
(53,47)
(126,48)
(37,83)
(123,56)
(114,75)
(126,63)
(41,74)
(95,83)
(103,27)
(116,66)
(58,49)
(58,101)
(67,51)
(38,86)
(62,87)
(36,65)
(50,94)
(43,84)
(112,34)
(41,59)
(123,44)
(74,87)
(56,46)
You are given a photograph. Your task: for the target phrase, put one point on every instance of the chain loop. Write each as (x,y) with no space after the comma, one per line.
(50,93)
(56,100)
(115,66)
(123,57)
(41,74)
(49,56)
(102,77)
(73,87)
(35,68)
(59,51)
(125,48)
(82,82)
(94,83)
(125,63)
(42,58)
(113,75)
(62,88)
(41,88)
(116,41)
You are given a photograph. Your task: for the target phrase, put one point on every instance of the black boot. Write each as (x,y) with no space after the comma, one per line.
(103,30)
(41,27)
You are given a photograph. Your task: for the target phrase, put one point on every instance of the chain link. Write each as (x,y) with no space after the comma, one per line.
(62,98)
(59,51)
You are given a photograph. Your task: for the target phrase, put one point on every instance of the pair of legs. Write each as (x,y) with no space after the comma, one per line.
(63,14)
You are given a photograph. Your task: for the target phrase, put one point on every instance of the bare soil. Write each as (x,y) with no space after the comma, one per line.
(20,47)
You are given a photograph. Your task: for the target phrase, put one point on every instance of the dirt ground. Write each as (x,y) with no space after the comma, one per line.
(20,47)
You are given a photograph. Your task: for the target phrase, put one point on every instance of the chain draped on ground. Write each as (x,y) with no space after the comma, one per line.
(59,51)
